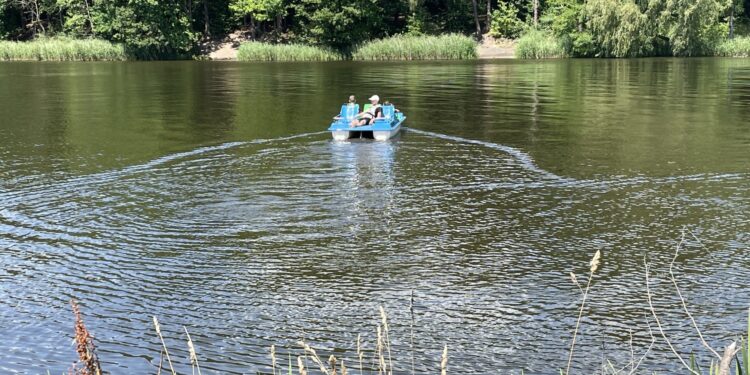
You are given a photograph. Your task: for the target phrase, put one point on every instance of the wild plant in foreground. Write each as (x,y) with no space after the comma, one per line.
(88,361)
(593,266)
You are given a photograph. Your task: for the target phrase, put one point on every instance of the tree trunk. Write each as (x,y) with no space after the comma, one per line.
(731,21)
(88,14)
(476,18)
(206,20)
(536,13)
(488,23)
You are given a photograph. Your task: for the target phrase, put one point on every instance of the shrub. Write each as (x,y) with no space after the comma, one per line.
(505,22)
(537,44)
(258,51)
(737,47)
(410,47)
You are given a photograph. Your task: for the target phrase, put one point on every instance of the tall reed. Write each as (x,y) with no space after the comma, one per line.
(259,51)
(419,47)
(536,44)
(62,49)
(737,47)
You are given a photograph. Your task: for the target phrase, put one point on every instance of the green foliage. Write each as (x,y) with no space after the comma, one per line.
(409,47)
(261,10)
(620,28)
(337,23)
(505,22)
(149,28)
(737,47)
(61,49)
(257,51)
(691,26)
(538,44)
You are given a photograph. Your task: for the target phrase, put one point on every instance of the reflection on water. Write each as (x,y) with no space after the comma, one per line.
(207,195)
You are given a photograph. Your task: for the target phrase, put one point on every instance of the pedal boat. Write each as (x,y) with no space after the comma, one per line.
(381,129)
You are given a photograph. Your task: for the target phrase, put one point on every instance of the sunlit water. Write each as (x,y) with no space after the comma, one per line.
(206,194)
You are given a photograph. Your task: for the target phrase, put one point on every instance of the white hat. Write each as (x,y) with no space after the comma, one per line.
(374,97)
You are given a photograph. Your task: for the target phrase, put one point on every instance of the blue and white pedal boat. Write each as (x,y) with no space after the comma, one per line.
(381,129)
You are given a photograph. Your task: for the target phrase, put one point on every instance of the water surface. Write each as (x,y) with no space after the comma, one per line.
(207,195)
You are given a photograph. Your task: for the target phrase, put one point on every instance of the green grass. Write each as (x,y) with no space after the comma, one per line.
(258,51)
(62,49)
(536,44)
(407,47)
(737,47)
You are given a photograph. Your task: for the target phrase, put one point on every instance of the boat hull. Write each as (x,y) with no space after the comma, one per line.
(382,129)
(341,135)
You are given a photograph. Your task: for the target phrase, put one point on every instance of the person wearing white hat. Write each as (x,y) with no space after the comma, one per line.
(366,117)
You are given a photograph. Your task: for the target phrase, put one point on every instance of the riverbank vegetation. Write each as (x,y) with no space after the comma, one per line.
(626,28)
(260,51)
(537,44)
(415,47)
(377,357)
(62,49)
(595,28)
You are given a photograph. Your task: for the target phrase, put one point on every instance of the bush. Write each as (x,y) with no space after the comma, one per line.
(537,44)
(737,47)
(258,51)
(505,22)
(411,47)
(62,49)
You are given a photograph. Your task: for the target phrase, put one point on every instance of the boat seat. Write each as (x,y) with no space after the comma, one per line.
(388,111)
(349,111)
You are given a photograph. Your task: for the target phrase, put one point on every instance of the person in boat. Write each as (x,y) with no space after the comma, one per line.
(368,116)
(351,103)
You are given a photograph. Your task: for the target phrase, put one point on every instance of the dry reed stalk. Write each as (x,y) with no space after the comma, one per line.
(726,359)
(682,300)
(444,361)
(360,354)
(273,359)
(343,368)
(164,345)
(309,350)
(381,358)
(411,329)
(658,323)
(332,363)
(593,266)
(193,355)
(301,365)
(386,336)
(84,341)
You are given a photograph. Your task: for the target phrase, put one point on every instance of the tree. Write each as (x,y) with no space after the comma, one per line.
(621,29)
(148,28)
(340,24)
(258,10)
(691,27)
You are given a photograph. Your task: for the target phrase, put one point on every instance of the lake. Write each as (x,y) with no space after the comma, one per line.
(208,195)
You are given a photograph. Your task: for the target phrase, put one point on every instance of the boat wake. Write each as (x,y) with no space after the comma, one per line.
(524,159)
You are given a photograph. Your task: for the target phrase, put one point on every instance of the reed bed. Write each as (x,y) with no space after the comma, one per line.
(737,47)
(62,49)
(409,47)
(259,51)
(536,44)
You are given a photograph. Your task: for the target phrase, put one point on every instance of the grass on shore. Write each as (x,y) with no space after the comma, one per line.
(62,49)
(407,47)
(537,44)
(259,51)
(737,47)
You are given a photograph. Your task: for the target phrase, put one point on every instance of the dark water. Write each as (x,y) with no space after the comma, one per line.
(206,194)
